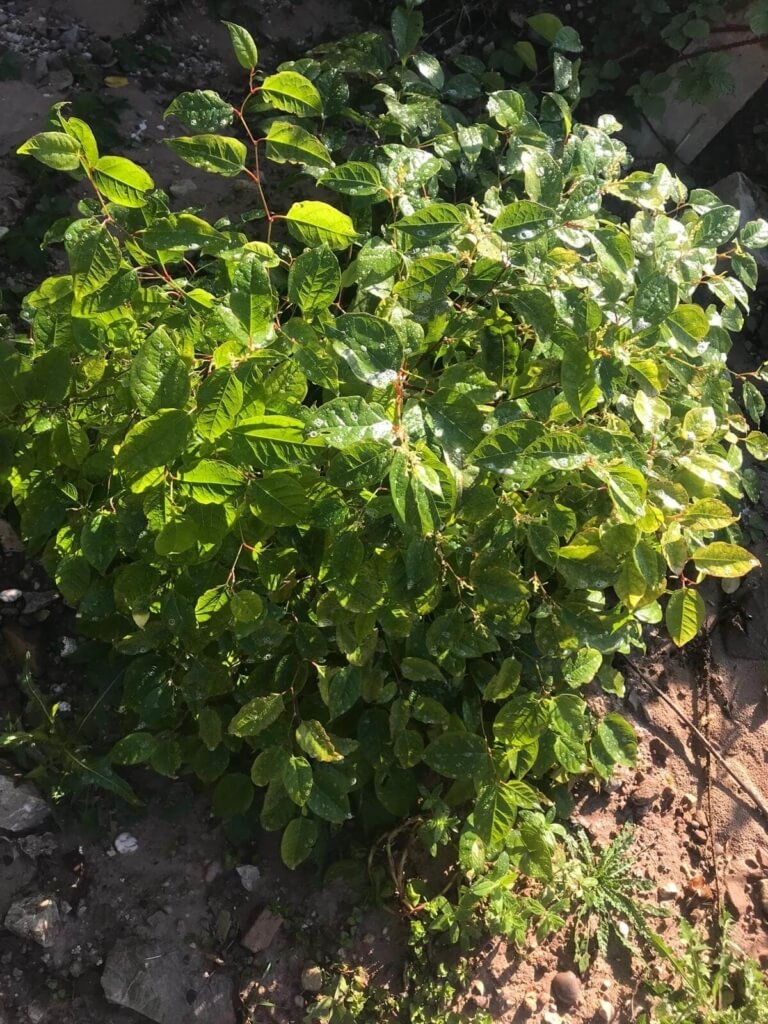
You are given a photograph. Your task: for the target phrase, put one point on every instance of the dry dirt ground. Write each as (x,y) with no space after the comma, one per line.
(162,928)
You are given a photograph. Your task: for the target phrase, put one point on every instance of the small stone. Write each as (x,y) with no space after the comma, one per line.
(736,892)
(551,1017)
(37,601)
(35,1013)
(762,896)
(212,871)
(36,918)
(312,978)
(126,843)
(478,987)
(263,930)
(102,51)
(668,891)
(250,876)
(183,187)
(35,846)
(61,80)
(70,36)
(531,1002)
(10,596)
(298,1001)
(605,1011)
(21,808)
(566,988)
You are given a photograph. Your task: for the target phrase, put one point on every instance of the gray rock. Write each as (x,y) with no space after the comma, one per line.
(16,871)
(36,918)
(61,80)
(21,807)
(566,988)
(183,187)
(159,984)
(102,51)
(263,930)
(749,199)
(40,69)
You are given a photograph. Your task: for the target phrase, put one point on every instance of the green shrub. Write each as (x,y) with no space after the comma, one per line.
(372,484)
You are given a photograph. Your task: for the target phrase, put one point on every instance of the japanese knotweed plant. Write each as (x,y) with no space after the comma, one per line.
(370,485)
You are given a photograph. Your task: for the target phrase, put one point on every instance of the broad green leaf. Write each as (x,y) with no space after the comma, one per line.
(242,43)
(289,143)
(279,499)
(201,111)
(543,177)
(578,376)
(458,755)
(298,841)
(155,441)
(211,482)
(175,537)
(753,400)
(288,90)
(181,232)
(316,223)
(232,795)
(135,748)
(655,299)
(251,298)
(507,108)
(315,741)
(547,25)
(219,154)
(355,178)
(94,258)
(684,615)
(297,779)
(81,133)
(728,561)
(614,742)
(328,799)
(757,445)
(407,27)
(314,280)
(159,376)
(122,181)
(754,234)
(219,400)
(370,346)
(707,514)
(716,226)
(255,716)
(54,149)
(523,221)
(432,223)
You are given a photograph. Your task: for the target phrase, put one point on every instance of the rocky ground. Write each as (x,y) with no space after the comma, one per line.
(118,915)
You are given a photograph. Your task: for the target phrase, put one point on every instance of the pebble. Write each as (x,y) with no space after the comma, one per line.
(102,51)
(21,808)
(566,988)
(36,918)
(126,843)
(250,876)
(762,896)
(10,596)
(668,891)
(263,930)
(61,80)
(312,978)
(605,1011)
(551,1017)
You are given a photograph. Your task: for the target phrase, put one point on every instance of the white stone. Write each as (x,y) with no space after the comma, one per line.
(126,843)
(21,808)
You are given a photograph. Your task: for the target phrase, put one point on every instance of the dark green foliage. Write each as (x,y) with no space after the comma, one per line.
(370,495)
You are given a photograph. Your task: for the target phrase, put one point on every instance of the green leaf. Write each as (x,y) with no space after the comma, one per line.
(122,181)
(81,133)
(288,90)
(506,107)
(431,224)
(155,441)
(159,376)
(315,741)
(757,445)
(614,742)
(547,25)
(407,28)
(279,499)
(521,721)
(54,149)
(523,221)
(458,755)
(201,111)
(210,482)
(135,748)
(370,346)
(328,799)
(753,400)
(289,143)
(242,43)
(219,154)
(754,234)
(314,280)
(316,223)
(355,178)
(717,226)
(654,300)
(297,779)
(707,514)
(251,298)
(232,795)
(684,615)
(728,561)
(219,399)
(256,715)
(94,259)
(298,841)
